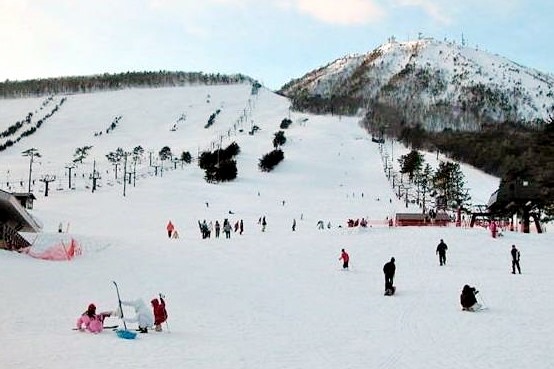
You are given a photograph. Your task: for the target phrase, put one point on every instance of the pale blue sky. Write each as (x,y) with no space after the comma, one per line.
(270,40)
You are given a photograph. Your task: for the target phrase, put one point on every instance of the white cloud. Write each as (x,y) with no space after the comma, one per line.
(340,12)
(436,9)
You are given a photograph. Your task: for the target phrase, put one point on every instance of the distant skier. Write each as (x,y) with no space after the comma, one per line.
(294,225)
(468,300)
(389,269)
(227,228)
(170,227)
(217,229)
(241,227)
(441,251)
(515,260)
(345,258)
(264,224)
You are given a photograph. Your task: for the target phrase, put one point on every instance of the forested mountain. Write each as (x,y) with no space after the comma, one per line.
(476,107)
(428,83)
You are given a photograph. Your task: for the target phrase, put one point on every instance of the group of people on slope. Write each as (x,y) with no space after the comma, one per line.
(146,318)
(468,298)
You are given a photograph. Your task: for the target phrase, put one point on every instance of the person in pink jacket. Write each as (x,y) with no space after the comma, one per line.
(91,321)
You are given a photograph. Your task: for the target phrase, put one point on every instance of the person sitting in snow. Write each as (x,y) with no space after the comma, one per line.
(91,321)
(160,313)
(143,315)
(468,300)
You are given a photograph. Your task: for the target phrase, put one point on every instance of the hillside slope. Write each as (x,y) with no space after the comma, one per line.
(272,299)
(426,82)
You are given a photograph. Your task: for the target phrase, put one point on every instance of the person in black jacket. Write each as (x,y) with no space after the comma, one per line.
(389,269)
(468,299)
(441,251)
(515,260)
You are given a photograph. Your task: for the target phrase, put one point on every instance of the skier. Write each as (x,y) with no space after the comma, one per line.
(241,227)
(143,315)
(217,229)
(345,258)
(441,251)
(227,228)
(170,227)
(264,224)
(294,225)
(515,260)
(468,299)
(389,269)
(160,313)
(91,321)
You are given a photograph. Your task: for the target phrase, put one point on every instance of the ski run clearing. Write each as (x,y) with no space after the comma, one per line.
(261,300)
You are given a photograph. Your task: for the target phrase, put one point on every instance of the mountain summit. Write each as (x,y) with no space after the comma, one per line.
(436,85)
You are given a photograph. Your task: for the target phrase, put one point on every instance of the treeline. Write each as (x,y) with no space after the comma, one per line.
(510,151)
(106,81)
(11,132)
(317,104)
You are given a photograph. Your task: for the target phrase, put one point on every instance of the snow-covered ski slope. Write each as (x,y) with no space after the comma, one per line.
(273,299)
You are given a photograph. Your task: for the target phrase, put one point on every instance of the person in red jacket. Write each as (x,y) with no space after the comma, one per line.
(160,314)
(170,227)
(345,258)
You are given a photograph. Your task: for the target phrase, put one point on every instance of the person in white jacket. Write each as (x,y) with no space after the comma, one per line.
(143,315)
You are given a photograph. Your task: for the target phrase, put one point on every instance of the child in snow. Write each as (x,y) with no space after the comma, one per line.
(91,321)
(160,314)
(143,315)
(468,299)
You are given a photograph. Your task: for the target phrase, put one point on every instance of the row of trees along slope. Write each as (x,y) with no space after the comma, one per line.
(106,81)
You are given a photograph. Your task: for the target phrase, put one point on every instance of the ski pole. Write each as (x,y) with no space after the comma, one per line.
(120,307)
(166,323)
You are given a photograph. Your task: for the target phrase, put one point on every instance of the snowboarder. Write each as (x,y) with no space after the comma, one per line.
(170,227)
(345,258)
(468,300)
(143,315)
(91,321)
(515,260)
(389,269)
(441,251)
(160,313)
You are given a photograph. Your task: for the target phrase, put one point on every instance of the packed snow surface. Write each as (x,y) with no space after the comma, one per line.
(261,300)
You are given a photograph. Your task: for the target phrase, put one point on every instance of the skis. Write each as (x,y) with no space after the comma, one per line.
(105,327)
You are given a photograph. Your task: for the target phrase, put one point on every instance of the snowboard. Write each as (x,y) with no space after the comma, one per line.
(390,291)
